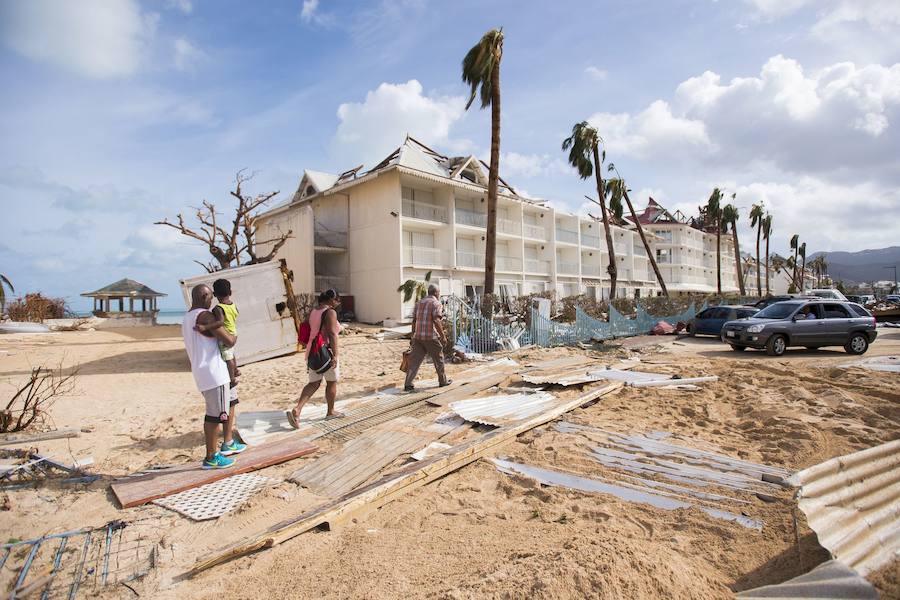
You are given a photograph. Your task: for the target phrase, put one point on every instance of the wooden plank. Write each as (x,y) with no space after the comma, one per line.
(394,485)
(39,437)
(141,489)
(469,389)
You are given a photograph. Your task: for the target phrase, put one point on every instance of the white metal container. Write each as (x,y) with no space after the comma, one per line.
(267,320)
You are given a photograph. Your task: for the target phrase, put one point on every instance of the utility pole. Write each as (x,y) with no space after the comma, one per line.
(894,267)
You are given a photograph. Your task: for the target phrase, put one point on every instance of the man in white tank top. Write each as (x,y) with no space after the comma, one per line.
(212,378)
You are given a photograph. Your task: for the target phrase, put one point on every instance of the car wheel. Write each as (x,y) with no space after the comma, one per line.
(857,344)
(737,348)
(776,345)
(690,331)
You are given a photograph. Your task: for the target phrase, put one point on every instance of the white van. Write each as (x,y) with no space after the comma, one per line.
(829,294)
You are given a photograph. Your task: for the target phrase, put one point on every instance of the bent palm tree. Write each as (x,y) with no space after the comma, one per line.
(730,216)
(795,244)
(481,70)
(584,154)
(802,252)
(620,189)
(4,283)
(767,233)
(714,215)
(756,220)
(414,289)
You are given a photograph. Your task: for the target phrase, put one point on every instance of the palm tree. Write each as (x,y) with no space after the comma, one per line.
(795,243)
(802,252)
(621,190)
(730,216)
(414,289)
(756,220)
(4,283)
(714,215)
(481,70)
(767,233)
(584,154)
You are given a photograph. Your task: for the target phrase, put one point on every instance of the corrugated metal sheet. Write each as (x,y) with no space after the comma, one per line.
(831,580)
(503,409)
(853,504)
(890,364)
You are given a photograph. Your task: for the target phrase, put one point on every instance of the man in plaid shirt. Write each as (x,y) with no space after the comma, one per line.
(428,338)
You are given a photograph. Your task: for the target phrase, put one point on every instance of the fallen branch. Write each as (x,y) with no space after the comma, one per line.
(393,486)
(39,437)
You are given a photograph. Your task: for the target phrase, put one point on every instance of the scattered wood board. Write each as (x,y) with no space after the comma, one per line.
(364,456)
(392,486)
(141,489)
(469,389)
(39,437)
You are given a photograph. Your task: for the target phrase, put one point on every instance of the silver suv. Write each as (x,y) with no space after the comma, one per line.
(809,323)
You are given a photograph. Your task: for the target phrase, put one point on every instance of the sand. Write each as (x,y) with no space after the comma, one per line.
(476,532)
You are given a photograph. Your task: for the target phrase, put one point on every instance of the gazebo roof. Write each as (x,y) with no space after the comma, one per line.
(124,288)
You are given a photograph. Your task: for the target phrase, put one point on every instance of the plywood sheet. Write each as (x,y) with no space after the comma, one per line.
(141,489)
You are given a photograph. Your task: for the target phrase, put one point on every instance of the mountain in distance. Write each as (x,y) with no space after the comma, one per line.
(863,266)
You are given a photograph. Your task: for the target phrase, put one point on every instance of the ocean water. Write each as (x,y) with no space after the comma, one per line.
(165,317)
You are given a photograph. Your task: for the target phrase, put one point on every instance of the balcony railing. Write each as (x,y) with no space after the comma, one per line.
(470,218)
(639,250)
(664,259)
(566,236)
(420,255)
(510,264)
(424,211)
(592,241)
(537,266)
(567,268)
(330,239)
(620,249)
(339,283)
(534,231)
(624,275)
(591,270)
(509,227)
(469,259)
(666,236)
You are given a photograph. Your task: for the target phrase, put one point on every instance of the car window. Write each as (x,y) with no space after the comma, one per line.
(704,314)
(743,313)
(860,311)
(719,313)
(779,310)
(835,311)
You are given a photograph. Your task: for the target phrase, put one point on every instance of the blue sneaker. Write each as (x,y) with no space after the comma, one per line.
(218,462)
(234,447)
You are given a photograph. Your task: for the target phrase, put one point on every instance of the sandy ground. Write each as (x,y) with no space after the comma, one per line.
(476,532)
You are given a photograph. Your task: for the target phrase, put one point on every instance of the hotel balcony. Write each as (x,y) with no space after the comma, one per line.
(591,270)
(539,267)
(424,211)
(566,268)
(339,283)
(509,264)
(469,260)
(535,232)
(330,241)
(566,236)
(509,227)
(590,241)
(470,218)
(621,249)
(422,256)
(639,250)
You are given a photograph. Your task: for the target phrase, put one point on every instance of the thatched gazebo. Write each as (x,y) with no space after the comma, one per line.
(109,302)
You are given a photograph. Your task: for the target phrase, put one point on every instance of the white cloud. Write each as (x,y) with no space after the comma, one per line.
(369,130)
(513,164)
(96,38)
(186,55)
(596,73)
(653,131)
(309,10)
(775,9)
(185,6)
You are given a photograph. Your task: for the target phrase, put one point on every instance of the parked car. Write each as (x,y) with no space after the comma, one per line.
(857,299)
(711,320)
(865,299)
(829,293)
(895,298)
(809,323)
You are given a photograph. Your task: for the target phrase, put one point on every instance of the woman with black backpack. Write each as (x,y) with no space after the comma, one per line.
(321,355)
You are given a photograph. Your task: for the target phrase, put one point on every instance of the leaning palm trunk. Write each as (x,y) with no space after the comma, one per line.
(612,268)
(718,257)
(758,274)
(490,258)
(803,276)
(659,277)
(737,258)
(767,267)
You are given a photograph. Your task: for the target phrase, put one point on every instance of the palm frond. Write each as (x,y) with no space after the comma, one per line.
(581,146)
(478,65)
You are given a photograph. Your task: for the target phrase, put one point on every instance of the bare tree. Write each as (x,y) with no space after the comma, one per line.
(30,402)
(229,242)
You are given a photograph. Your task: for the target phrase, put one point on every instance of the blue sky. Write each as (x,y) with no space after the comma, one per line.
(119,113)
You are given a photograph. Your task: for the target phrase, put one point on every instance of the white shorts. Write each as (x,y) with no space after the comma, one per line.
(332,374)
